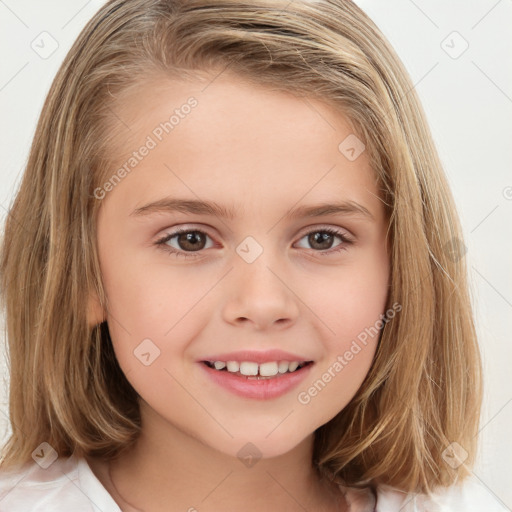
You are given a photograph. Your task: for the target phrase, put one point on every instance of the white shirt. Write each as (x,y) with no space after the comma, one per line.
(69,485)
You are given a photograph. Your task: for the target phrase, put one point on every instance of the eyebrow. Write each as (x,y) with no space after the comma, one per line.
(169,205)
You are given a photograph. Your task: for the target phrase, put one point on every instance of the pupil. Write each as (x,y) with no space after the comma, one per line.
(193,241)
(321,238)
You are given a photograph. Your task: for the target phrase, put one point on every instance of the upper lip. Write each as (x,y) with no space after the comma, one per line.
(257,356)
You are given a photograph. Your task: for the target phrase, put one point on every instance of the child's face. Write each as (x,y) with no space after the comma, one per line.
(258,282)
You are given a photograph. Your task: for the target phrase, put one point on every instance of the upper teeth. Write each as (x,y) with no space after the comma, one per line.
(264,369)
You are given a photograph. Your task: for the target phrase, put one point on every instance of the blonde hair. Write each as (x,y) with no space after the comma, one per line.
(423,390)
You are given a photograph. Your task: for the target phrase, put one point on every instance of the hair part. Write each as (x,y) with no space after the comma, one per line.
(423,390)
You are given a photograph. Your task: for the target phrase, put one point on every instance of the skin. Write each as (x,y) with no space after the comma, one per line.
(261,153)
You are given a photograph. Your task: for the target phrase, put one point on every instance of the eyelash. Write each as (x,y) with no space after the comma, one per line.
(162,242)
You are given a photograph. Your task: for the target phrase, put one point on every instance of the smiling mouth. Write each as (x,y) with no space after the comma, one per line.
(253,370)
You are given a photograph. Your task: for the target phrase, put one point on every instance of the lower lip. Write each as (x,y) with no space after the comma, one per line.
(259,389)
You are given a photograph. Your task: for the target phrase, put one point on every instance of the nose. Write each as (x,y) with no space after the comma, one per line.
(259,297)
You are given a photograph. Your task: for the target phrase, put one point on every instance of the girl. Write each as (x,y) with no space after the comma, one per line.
(243,287)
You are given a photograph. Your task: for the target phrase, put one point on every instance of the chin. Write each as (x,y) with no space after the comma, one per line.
(252,444)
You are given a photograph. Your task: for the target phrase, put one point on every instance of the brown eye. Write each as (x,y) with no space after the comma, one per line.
(320,240)
(324,240)
(191,241)
(185,241)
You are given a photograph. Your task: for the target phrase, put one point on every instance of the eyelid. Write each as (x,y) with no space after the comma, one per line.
(179,228)
(327,227)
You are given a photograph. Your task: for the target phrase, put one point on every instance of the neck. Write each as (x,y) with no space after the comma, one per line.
(176,472)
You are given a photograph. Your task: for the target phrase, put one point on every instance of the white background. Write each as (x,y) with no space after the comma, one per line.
(468,101)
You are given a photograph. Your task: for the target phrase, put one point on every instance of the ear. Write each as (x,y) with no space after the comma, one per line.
(95,312)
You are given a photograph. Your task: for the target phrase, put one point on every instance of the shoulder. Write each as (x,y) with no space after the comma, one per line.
(67,484)
(470,496)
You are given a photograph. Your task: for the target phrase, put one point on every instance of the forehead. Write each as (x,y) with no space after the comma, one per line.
(222,98)
(223,130)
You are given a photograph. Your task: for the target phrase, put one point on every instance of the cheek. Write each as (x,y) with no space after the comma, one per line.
(146,296)
(151,322)
(151,302)
(353,301)
(350,309)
